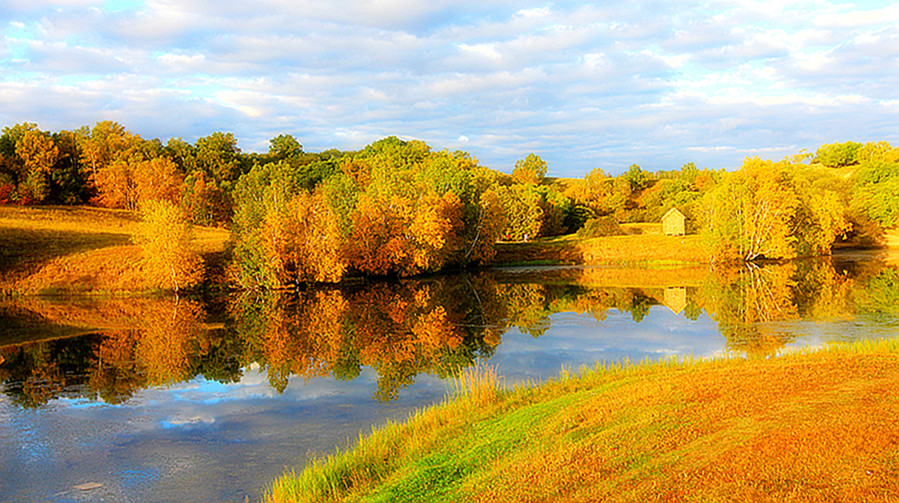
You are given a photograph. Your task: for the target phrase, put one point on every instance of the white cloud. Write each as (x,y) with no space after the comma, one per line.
(581,84)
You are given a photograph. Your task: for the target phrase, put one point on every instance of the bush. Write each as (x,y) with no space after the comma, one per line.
(599,227)
(837,155)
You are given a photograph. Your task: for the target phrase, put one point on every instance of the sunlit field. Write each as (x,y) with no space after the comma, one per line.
(811,426)
(644,249)
(78,249)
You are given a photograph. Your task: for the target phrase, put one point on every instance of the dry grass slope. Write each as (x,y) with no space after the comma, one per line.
(78,250)
(814,426)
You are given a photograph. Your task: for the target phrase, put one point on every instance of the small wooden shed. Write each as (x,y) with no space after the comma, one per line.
(674,223)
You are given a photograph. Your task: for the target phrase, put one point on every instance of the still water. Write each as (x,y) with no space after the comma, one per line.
(180,399)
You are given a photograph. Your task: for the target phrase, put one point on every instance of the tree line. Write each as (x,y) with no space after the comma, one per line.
(401,208)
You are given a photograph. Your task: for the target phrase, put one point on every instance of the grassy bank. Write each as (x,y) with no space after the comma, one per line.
(811,426)
(643,245)
(79,250)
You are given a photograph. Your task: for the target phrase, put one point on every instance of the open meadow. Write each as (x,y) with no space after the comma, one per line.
(80,250)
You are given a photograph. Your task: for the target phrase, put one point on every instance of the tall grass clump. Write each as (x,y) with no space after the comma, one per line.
(476,385)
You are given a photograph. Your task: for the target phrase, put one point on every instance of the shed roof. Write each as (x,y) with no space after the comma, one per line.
(673,211)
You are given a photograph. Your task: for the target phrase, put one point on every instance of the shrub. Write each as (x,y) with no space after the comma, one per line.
(600,226)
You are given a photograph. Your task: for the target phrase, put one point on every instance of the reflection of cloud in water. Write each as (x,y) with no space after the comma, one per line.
(164,436)
(575,340)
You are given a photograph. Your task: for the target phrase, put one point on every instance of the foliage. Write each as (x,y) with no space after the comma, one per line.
(524,214)
(876,191)
(600,226)
(838,155)
(110,166)
(531,169)
(164,237)
(218,156)
(395,207)
(765,211)
(636,178)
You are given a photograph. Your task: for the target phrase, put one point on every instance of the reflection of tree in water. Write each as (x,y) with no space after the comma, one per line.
(113,364)
(744,301)
(877,293)
(402,329)
(398,329)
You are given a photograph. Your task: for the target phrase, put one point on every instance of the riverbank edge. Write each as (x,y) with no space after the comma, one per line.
(819,422)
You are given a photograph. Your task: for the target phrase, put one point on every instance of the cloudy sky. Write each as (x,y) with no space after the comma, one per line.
(584,85)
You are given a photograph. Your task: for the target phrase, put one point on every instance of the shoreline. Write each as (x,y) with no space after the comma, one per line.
(712,430)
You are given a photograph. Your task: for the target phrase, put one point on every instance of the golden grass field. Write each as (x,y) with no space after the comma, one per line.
(644,245)
(813,426)
(78,250)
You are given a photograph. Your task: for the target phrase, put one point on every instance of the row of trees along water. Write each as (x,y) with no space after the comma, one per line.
(400,329)
(399,207)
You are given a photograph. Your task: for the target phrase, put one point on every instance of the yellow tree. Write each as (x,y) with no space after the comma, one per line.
(488,229)
(751,214)
(165,235)
(109,151)
(317,235)
(531,169)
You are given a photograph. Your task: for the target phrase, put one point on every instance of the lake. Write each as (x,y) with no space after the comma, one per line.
(200,399)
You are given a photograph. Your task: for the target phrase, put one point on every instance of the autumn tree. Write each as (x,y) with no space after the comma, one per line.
(204,202)
(38,153)
(284,147)
(765,211)
(523,212)
(164,235)
(749,216)
(636,177)
(488,229)
(219,157)
(158,179)
(876,191)
(531,169)
(69,179)
(27,158)
(261,197)
(105,143)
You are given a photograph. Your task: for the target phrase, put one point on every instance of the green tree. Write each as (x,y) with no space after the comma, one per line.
(38,153)
(837,155)
(636,177)
(284,147)
(218,156)
(876,192)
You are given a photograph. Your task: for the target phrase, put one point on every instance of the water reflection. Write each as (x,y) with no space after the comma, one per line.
(400,330)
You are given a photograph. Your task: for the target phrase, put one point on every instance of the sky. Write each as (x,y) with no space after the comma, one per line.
(583,85)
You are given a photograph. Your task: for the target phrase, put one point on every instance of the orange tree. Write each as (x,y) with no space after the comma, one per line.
(394,208)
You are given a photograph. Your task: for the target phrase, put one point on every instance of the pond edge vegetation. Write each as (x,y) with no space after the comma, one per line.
(815,423)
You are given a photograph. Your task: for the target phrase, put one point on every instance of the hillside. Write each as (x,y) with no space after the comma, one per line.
(79,249)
